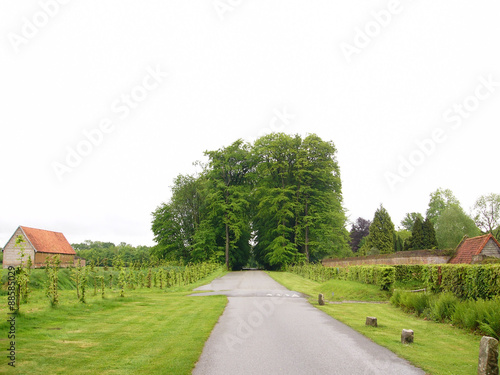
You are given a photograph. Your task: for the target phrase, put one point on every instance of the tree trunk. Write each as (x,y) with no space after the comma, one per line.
(227,247)
(307,237)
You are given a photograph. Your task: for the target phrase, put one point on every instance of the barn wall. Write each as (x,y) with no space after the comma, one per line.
(83,262)
(41,259)
(11,252)
(491,249)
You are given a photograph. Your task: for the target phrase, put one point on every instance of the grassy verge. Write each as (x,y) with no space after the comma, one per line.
(150,331)
(342,290)
(438,348)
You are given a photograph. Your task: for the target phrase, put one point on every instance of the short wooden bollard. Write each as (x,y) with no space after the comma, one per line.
(371,321)
(321,299)
(488,356)
(407,336)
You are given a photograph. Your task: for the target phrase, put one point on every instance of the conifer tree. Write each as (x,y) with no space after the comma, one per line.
(417,240)
(430,240)
(380,239)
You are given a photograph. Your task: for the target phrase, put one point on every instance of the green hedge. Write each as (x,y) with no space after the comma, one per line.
(481,281)
(316,272)
(383,276)
(410,272)
(464,281)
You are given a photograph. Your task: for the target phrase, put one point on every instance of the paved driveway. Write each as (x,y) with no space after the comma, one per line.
(267,329)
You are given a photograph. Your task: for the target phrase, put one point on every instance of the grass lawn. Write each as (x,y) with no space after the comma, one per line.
(438,348)
(149,331)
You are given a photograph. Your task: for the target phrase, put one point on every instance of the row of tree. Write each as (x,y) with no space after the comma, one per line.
(444,226)
(104,253)
(277,201)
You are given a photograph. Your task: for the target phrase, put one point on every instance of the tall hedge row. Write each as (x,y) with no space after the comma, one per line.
(382,276)
(464,281)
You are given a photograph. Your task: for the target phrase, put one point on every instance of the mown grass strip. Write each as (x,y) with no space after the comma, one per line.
(150,331)
(439,349)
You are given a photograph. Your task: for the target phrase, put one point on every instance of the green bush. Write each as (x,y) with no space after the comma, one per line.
(467,315)
(396,298)
(415,302)
(444,307)
(490,323)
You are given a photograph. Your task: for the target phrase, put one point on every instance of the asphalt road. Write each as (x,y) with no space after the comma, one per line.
(267,329)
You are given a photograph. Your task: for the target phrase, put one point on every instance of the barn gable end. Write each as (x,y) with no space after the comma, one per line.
(11,252)
(491,249)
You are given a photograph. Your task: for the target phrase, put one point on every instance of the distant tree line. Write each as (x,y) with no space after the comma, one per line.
(445,225)
(275,202)
(279,201)
(104,253)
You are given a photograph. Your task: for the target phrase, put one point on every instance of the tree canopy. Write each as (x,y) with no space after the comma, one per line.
(441,199)
(278,201)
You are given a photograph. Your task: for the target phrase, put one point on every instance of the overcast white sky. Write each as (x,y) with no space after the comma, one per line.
(156,83)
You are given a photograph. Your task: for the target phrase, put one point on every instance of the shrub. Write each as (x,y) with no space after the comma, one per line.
(414,302)
(386,277)
(468,314)
(444,307)
(490,323)
(396,298)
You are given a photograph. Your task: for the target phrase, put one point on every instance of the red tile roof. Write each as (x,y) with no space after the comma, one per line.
(471,247)
(45,241)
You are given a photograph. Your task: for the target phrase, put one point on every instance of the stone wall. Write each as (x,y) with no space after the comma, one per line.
(401,257)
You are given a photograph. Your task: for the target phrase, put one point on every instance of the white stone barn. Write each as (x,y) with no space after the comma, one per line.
(38,244)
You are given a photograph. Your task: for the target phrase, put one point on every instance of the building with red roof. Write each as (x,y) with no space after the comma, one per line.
(475,249)
(39,245)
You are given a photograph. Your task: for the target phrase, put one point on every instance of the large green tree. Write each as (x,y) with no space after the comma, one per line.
(228,202)
(299,213)
(276,156)
(320,216)
(452,224)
